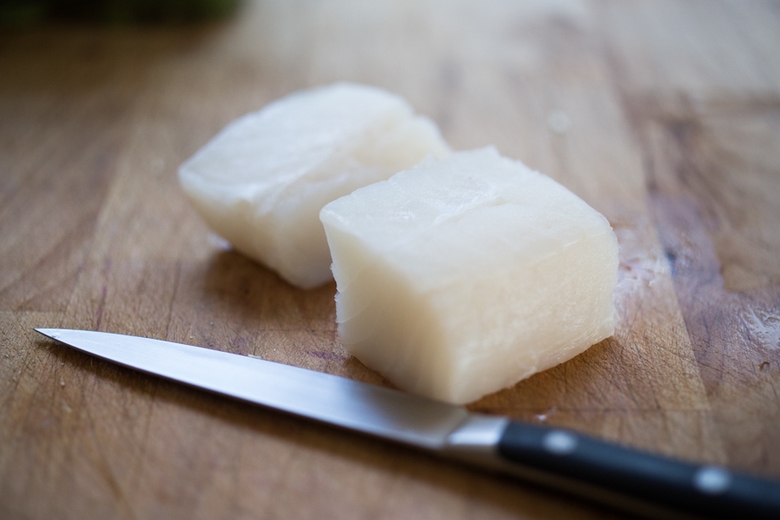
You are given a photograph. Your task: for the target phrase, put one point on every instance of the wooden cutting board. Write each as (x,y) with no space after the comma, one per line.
(664,116)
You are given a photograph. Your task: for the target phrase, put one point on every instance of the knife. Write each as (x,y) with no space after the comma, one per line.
(642,483)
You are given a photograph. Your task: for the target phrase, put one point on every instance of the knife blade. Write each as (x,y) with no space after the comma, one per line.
(645,484)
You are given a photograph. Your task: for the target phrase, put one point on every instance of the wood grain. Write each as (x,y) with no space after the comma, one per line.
(671,128)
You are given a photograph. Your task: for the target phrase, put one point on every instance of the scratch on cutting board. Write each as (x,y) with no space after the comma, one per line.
(326,355)
(103,294)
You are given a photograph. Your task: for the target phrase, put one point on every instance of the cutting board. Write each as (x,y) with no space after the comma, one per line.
(664,116)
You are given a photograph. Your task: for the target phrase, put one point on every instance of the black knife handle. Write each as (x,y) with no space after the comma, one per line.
(699,490)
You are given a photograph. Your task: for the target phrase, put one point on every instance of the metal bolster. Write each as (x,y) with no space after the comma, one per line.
(476,440)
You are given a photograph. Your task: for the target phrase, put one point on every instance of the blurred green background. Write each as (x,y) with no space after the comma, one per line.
(21,13)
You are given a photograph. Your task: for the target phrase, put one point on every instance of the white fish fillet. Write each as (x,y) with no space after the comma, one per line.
(464,275)
(261,182)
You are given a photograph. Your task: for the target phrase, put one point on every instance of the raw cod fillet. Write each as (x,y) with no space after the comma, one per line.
(261,182)
(464,275)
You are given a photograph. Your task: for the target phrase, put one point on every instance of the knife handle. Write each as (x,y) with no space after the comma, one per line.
(650,484)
